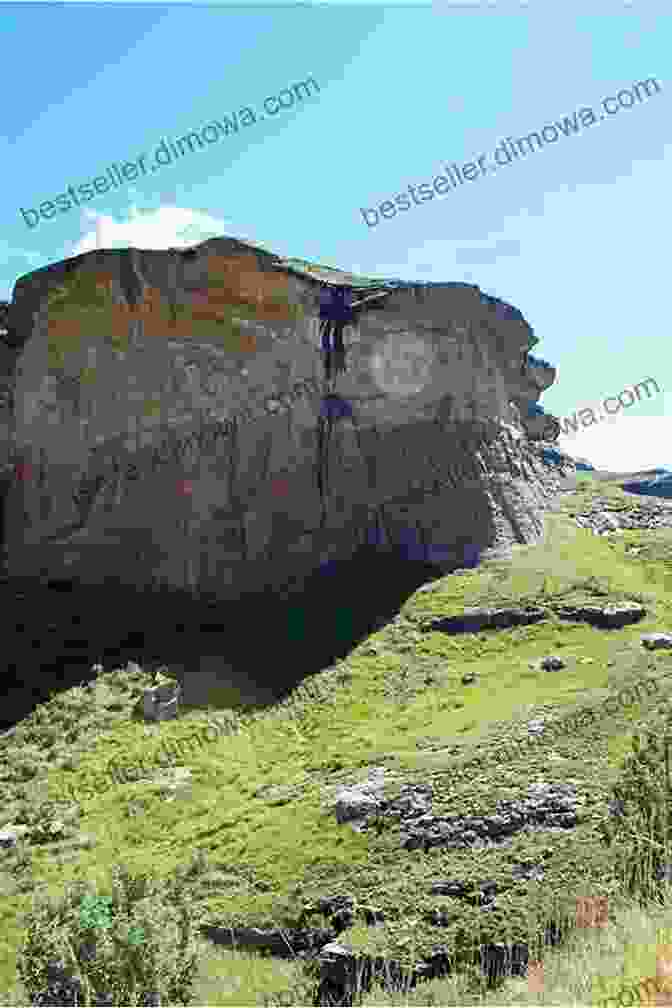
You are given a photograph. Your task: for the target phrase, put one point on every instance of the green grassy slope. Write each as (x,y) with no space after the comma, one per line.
(257,803)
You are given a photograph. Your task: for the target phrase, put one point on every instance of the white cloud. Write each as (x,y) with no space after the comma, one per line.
(165,227)
(623,443)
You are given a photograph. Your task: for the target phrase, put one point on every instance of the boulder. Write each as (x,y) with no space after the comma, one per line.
(473,620)
(172,423)
(161,703)
(355,803)
(604,616)
(282,942)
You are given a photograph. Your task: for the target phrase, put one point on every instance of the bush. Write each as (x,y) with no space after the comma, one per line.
(639,827)
(132,947)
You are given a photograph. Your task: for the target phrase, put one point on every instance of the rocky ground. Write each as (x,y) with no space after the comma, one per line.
(603,517)
(448,825)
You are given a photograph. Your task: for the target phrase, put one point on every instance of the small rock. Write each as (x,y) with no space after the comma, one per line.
(608,519)
(653,641)
(664,873)
(468,677)
(355,802)
(551,663)
(10,835)
(161,703)
(333,960)
(616,808)
(535,726)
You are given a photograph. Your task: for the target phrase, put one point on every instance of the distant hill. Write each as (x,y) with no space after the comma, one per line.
(658,485)
(630,475)
(656,482)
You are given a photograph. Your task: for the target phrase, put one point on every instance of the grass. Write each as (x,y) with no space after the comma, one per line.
(257,806)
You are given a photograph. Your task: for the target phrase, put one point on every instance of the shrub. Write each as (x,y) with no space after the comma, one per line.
(639,827)
(135,946)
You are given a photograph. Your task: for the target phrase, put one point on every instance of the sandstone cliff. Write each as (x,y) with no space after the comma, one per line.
(170,422)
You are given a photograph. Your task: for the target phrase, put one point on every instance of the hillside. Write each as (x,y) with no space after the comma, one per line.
(460,839)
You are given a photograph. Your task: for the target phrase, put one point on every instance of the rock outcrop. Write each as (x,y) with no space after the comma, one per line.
(536,422)
(602,517)
(171,423)
(475,620)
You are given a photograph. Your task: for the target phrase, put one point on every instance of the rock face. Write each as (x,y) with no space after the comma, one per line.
(7,364)
(537,424)
(171,423)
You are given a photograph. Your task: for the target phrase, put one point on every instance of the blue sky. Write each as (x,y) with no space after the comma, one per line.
(575,235)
